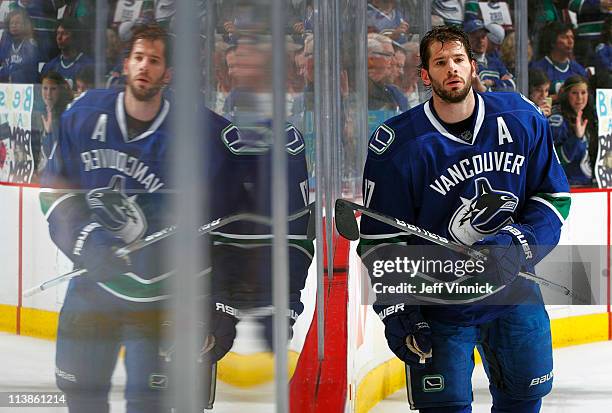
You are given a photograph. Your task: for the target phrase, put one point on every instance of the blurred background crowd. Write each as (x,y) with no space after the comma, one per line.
(50,43)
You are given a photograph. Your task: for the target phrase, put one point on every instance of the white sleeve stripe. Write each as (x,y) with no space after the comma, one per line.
(383,236)
(558,195)
(57,202)
(548,204)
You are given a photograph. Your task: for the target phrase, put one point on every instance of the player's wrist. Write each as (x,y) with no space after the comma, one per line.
(409,337)
(524,240)
(94,249)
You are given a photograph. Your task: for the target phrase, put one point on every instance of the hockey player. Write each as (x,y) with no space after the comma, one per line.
(106,190)
(242,252)
(479,169)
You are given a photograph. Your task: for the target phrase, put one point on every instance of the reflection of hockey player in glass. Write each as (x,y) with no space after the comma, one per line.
(241,252)
(479,169)
(105,190)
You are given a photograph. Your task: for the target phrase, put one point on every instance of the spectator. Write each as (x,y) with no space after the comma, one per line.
(542,12)
(85,80)
(382,95)
(591,15)
(397,67)
(539,84)
(384,18)
(411,85)
(557,45)
(56,95)
(603,57)
(114,50)
(84,11)
(19,56)
(573,124)
(495,36)
(43,14)
(71,59)
(491,11)
(508,52)
(472,10)
(492,73)
(450,11)
(114,77)
(305,65)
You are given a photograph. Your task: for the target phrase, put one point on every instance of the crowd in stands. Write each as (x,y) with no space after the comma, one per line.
(569,57)
(49,43)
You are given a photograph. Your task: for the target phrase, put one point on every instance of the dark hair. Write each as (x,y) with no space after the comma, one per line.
(564,105)
(550,32)
(443,34)
(151,32)
(86,74)
(70,24)
(65,95)
(537,78)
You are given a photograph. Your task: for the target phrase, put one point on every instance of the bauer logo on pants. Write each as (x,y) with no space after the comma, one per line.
(433,383)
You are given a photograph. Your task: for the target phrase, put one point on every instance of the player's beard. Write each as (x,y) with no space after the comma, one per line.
(452,96)
(147,93)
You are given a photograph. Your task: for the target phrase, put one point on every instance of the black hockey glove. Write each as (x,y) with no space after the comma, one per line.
(409,337)
(95,251)
(220,332)
(511,249)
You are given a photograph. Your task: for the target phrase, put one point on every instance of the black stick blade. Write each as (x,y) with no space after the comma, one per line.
(346,223)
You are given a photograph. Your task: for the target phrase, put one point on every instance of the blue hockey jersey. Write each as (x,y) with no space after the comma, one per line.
(102,175)
(242,252)
(19,61)
(68,69)
(99,174)
(492,68)
(558,73)
(465,188)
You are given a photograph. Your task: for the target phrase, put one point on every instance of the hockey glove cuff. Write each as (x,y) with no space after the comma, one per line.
(409,337)
(510,250)
(220,332)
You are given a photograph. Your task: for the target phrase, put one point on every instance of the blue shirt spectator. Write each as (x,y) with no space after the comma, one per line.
(574,129)
(384,18)
(558,72)
(492,73)
(603,59)
(557,46)
(43,14)
(70,60)
(19,51)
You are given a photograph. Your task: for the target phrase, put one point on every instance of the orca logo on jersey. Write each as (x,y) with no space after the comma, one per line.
(116,211)
(482,215)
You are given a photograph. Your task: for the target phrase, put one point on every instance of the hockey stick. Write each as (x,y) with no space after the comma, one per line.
(346,224)
(168,231)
